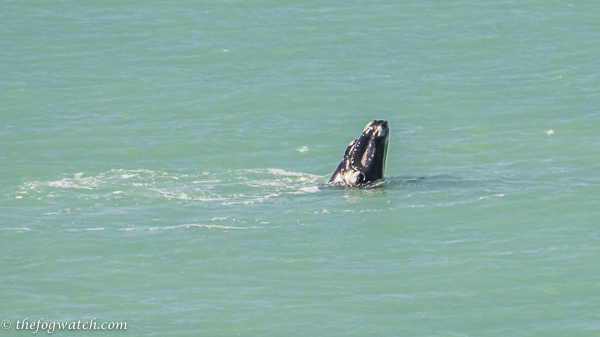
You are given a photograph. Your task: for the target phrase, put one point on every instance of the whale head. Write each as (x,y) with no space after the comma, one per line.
(364,159)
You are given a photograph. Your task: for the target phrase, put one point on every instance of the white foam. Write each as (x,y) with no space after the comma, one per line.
(259,185)
(288,173)
(156,228)
(86,229)
(309,189)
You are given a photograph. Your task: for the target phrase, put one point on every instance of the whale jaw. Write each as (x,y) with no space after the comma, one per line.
(364,159)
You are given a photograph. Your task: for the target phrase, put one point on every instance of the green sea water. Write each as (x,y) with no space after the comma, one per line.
(164,164)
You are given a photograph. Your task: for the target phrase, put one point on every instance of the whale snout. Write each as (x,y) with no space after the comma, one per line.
(364,159)
(378,128)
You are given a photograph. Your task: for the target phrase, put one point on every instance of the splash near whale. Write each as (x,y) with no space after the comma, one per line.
(364,159)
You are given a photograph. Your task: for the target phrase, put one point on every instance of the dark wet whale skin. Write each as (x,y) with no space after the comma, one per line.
(364,160)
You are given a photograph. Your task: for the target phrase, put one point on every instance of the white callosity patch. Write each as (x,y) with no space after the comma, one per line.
(355,177)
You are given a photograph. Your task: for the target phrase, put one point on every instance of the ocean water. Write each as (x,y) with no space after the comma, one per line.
(164,164)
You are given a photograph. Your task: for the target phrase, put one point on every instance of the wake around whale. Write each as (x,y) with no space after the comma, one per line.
(364,159)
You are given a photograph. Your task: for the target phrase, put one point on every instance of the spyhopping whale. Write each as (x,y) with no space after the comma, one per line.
(364,160)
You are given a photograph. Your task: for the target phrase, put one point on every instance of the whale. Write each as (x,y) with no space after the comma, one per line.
(364,159)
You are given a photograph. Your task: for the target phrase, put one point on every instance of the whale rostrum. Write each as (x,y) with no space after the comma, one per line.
(364,159)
